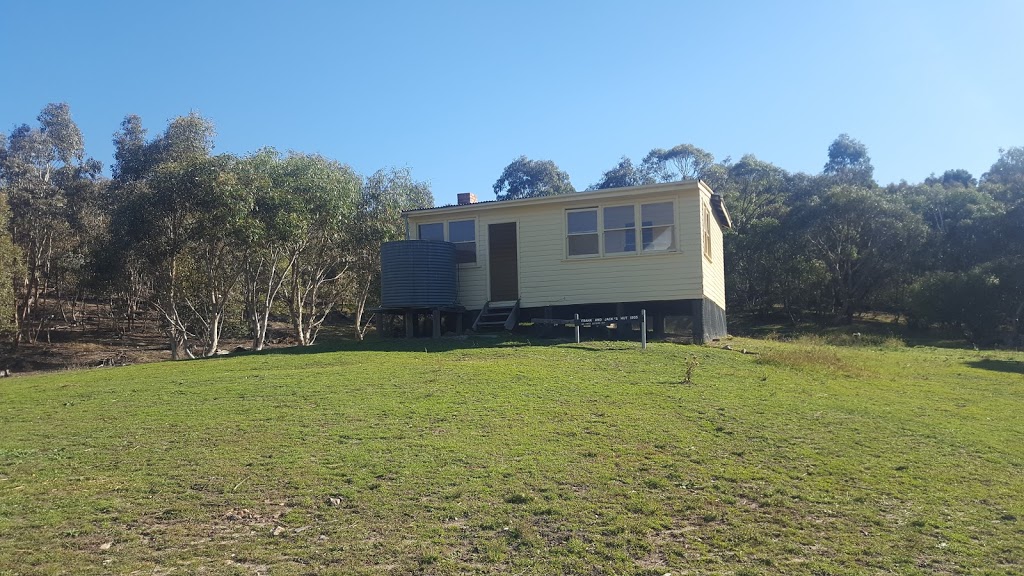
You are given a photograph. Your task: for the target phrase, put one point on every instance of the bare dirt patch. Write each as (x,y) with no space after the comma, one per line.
(93,341)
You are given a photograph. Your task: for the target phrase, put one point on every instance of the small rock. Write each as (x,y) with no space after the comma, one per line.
(278,531)
(727,347)
(334,501)
(106,545)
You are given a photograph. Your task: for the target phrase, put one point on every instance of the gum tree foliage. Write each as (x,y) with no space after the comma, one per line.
(624,174)
(323,195)
(180,213)
(383,198)
(525,178)
(9,262)
(848,162)
(864,239)
(756,248)
(682,162)
(267,261)
(46,177)
(302,246)
(976,283)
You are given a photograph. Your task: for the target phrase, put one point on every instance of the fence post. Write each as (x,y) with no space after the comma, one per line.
(577,328)
(643,329)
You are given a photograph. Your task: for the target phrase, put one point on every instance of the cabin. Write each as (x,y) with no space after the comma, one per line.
(601,253)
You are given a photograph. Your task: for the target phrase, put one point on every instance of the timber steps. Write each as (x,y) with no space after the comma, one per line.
(498,315)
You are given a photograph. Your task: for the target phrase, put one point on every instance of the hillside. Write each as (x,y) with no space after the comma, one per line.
(477,456)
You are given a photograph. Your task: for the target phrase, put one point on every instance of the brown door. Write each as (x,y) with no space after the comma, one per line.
(503,261)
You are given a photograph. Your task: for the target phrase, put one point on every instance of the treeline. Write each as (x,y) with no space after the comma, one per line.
(204,240)
(213,241)
(946,252)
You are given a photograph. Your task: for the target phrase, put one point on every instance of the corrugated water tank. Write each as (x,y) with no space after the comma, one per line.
(418,273)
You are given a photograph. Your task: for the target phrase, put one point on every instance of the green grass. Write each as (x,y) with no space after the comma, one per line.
(509,458)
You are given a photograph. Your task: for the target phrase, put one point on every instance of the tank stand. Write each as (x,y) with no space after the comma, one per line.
(413,316)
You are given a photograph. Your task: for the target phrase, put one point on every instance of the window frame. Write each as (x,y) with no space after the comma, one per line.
(446,237)
(672,228)
(674,247)
(419,230)
(597,232)
(605,230)
(705,231)
(448,231)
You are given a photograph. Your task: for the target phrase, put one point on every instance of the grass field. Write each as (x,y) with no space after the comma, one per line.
(476,456)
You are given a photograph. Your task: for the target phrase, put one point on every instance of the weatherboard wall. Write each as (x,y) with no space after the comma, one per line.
(548,277)
(714,269)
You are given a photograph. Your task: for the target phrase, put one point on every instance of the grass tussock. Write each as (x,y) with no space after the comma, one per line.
(810,354)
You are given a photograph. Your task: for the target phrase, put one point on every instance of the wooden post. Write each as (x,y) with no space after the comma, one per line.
(643,329)
(436,333)
(458,322)
(577,328)
(381,317)
(409,323)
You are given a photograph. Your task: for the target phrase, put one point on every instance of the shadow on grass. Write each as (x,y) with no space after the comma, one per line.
(583,346)
(867,330)
(430,345)
(1011,366)
(404,345)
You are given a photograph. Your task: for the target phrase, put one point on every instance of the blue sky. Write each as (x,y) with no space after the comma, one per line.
(457,90)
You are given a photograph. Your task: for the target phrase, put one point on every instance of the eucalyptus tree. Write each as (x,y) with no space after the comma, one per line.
(40,167)
(181,214)
(272,236)
(322,196)
(866,240)
(9,262)
(1004,182)
(383,198)
(848,162)
(219,239)
(525,178)
(757,248)
(624,174)
(682,162)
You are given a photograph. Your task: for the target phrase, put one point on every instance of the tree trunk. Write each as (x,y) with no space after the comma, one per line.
(360,309)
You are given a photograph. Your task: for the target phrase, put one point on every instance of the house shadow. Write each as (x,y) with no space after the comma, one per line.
(420,345)
(583,346)
(434,345)
(1010,366)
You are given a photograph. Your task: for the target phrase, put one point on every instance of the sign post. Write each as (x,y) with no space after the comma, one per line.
(643,329)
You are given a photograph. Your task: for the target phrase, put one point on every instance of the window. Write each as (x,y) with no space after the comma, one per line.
(462,233)
(581,226)
(657,227)
(432,231)
(613,230)
(619,229)
(705,229)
